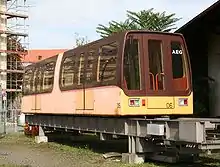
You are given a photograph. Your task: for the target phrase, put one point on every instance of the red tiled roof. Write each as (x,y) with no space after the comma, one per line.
(39,54)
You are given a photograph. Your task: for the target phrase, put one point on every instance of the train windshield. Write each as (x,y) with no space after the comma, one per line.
(156,63)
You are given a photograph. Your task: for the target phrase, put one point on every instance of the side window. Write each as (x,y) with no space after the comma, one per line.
(177,60)
(179,67)
(89,73)
(132,75)
(69,71)
(48,76)
(107,61)
(38,79)
(156,67)
(81,69)
(28,82)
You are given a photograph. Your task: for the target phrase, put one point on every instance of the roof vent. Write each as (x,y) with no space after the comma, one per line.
(39,57)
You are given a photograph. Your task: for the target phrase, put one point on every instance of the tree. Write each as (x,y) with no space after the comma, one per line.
(143,20)
(81,40)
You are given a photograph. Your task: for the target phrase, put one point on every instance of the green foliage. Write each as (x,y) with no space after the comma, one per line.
(81,40)
(142,20)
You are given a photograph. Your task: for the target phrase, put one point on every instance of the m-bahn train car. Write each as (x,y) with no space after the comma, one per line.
(122,86)
(133,73)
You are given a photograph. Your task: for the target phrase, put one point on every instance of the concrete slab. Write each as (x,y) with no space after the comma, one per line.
(132,158)
(41,139)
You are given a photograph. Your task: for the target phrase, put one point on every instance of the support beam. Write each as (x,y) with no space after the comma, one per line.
(41,138)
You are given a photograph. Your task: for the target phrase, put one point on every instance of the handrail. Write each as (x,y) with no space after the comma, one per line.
(157,79)
(152,80)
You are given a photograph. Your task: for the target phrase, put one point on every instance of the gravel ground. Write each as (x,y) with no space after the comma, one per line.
(17,150)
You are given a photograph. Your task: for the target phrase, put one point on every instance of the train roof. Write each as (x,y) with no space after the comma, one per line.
(109,38)
(120,35)
(124,33)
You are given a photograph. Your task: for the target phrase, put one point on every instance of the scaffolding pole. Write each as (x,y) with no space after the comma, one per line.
(13,48)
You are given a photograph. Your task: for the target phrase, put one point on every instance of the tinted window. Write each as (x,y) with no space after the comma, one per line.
(89,72)
(48,76)
(41,77)
(131,67)
(38,79)
(107,62)
(69,71)
(28,82)
(156,68)
(80,75)
(177,60)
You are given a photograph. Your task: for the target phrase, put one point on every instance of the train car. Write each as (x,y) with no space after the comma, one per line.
(132,73)
(120,87)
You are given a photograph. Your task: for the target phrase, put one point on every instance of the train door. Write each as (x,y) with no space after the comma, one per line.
(133,66)
(158,72)
(90,79)
(33,88)
(80,93)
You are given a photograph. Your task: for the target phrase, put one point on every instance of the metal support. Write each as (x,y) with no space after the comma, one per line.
(41,138)
(5,115)
(131,144)
(1,109)
(41,131)
(161,140)
(4,108)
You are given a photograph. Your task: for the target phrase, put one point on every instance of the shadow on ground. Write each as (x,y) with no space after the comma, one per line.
(202,162)
(93,143)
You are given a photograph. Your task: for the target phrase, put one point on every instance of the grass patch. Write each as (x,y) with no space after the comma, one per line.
(11,165)
(80,153)
(84,153)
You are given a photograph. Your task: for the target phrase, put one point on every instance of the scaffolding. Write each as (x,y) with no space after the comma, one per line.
(13,48)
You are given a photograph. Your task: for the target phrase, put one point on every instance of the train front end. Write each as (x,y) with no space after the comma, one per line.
(155,75)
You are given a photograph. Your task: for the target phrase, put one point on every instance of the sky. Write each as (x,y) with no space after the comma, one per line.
(53,23)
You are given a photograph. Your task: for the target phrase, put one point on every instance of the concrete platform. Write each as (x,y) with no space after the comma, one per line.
(132,158)
(41,139)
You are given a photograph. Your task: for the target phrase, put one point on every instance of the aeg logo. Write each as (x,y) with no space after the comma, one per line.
(177,52)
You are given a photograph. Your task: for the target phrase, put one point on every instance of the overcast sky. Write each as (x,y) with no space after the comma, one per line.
(54,22)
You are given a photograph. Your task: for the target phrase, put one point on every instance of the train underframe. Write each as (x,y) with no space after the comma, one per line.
(161,139)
